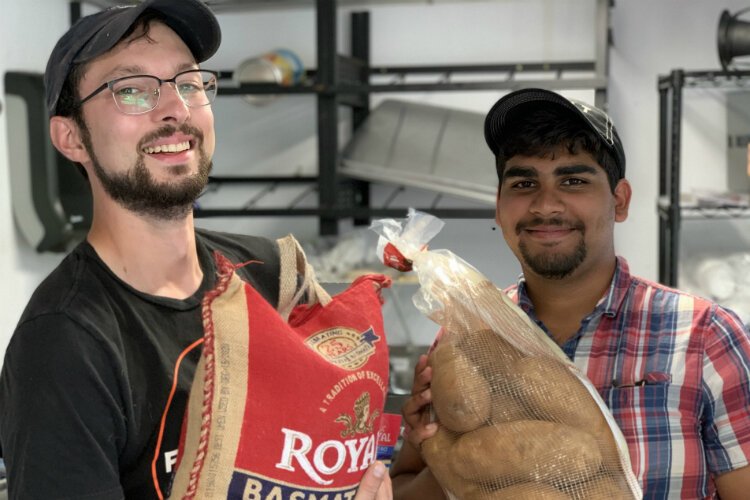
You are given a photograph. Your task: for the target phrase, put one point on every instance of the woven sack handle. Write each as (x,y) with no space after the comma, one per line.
(294,267)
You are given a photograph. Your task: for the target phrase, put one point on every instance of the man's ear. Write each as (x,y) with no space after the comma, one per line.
(66,137)
(622,195)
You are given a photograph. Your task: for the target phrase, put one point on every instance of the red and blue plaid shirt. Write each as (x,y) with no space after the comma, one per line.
(675,371)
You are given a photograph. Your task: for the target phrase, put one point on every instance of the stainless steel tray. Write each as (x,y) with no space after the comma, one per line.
(425,146)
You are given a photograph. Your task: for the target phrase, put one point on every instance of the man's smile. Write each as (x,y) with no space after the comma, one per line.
(548,233)
(171,145)
(167,148)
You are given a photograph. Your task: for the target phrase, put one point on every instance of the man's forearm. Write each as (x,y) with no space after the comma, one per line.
(412,479)
(732,485)
(420,486)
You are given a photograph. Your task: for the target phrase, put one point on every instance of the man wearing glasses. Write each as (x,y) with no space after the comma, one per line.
(91,365)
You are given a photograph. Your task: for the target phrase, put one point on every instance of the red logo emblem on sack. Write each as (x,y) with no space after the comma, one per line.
(344,347)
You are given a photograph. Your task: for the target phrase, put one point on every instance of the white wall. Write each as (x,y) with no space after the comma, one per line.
(28,31)
(650,39)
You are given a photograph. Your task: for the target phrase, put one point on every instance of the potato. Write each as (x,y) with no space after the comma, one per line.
(437,452)
(489,352)
(527,491)
(552,392)
(493,357)
(527,450)
(461,319)
(506,408)
(602,486)
(460,395)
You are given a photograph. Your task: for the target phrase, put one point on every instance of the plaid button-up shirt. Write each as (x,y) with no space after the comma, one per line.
(675,371)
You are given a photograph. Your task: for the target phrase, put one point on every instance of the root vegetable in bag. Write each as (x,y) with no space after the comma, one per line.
(528,423)
(461,396)
(495,358)
(437,452)
(505,407)
(527,450)
(603,486)
(488,351)
(527,491)
(547,387)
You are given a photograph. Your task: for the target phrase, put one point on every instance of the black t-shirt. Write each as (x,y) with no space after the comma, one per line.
(97,374)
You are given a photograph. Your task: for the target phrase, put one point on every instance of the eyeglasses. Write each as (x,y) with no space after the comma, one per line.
(138,94)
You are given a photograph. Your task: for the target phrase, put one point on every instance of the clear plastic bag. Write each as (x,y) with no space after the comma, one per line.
(518,419)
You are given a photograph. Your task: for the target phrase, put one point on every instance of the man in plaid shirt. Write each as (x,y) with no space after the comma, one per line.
(674,369)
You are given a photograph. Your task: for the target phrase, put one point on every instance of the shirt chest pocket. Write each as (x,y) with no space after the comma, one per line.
(652,408)
(660,426)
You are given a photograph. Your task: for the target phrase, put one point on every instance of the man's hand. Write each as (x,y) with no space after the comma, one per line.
(734,484)
(417,425)
(411,477)
(375,484)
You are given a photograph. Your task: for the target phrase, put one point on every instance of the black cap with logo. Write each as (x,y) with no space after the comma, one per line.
(509,109)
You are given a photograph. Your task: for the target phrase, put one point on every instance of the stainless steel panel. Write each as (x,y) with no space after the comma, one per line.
(426,146)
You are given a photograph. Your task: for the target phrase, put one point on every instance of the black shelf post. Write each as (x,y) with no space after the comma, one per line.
(675,134)
(75,12)
(360,38)
(328,147)
(670,217)
(664,224)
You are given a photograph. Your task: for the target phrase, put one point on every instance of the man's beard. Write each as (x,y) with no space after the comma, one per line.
(136,189)
(551,264)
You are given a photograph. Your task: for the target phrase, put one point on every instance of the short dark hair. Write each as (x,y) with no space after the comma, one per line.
(544,129)
(69,96)
(68,102)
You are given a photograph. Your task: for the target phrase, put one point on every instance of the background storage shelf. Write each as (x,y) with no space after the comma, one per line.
(672,210)
(349,81)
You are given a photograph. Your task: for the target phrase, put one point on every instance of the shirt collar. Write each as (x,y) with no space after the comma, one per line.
(608,305)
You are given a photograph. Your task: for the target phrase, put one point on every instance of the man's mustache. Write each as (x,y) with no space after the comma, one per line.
(169,130)
(553,221)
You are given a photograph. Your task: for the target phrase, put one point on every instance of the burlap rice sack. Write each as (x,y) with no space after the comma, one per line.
(284,409)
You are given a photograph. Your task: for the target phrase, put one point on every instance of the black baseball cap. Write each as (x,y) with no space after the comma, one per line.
(510,109)
(93,35)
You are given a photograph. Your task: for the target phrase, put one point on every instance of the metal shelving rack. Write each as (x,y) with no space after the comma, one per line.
(671,211)
(346,80)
